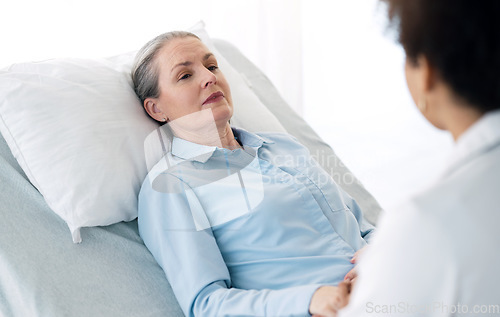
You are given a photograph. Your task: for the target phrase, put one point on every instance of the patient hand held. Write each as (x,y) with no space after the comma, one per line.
(352,274)
(328,300)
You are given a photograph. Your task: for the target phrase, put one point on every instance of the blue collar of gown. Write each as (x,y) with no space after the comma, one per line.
(190,151)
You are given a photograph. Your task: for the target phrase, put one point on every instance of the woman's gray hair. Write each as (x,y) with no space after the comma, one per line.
(145,71)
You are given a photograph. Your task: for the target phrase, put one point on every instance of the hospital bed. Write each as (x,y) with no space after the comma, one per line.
(111,272)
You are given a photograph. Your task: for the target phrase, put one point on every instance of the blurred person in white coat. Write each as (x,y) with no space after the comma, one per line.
(437,254)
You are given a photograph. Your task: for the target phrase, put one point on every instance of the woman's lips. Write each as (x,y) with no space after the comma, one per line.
(216,96)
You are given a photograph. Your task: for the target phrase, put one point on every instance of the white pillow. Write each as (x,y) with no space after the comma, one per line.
(78,131)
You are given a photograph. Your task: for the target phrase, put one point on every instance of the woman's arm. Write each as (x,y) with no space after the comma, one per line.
(194,264)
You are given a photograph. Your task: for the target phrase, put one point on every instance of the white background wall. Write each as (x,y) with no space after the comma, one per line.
(330,59)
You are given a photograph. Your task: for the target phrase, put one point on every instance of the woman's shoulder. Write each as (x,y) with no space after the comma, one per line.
(284,144)
(163,177)
(281,138)
(472,184)
(464,203)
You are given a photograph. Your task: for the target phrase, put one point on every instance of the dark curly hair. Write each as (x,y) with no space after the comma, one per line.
(460,39)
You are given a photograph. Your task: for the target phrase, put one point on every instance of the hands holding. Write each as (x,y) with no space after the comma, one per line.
(328,300)
(352,274)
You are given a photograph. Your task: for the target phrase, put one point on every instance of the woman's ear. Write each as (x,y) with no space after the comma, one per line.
(427,74)
(152,109)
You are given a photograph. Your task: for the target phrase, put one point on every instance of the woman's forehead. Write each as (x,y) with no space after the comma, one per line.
(183,49)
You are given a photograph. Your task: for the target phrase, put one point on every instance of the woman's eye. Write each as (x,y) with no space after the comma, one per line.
(212,68)
(186,76)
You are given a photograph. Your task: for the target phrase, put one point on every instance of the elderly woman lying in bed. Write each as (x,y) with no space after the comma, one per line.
(241,223)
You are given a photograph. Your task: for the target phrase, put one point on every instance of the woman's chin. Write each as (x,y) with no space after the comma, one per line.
(222,115)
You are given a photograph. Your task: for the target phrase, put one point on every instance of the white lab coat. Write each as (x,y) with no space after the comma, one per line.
(439,253)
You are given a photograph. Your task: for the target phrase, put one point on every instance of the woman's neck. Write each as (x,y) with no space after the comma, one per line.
(449,112)
(227,138)
(200,128)
(458,118)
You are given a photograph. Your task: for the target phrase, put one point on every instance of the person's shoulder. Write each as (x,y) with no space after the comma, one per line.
(277,134)
(470,186)
(163,176)
(463,205)
(280,138)
(282,143)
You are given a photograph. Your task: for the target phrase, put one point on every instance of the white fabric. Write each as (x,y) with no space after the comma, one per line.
(437,254)
(78,131)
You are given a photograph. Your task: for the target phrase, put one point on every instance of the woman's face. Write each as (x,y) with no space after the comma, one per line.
(189,81)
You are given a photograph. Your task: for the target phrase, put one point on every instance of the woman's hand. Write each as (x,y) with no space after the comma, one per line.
(352,274)
(328,300)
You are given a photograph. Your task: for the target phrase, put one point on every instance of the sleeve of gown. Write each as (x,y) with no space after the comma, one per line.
(173,228)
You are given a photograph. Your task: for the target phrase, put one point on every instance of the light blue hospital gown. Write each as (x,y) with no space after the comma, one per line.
(248,232)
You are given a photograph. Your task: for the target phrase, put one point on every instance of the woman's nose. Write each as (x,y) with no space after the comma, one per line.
(209,79)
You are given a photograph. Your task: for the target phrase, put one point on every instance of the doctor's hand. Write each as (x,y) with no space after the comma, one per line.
(328,300)
(352,274)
